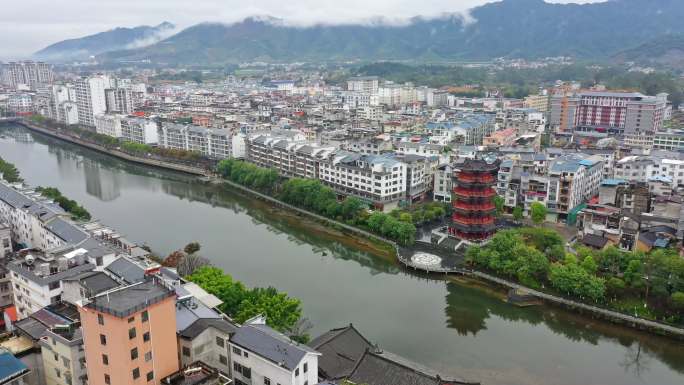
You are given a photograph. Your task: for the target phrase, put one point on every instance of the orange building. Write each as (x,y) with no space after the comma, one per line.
(129,335)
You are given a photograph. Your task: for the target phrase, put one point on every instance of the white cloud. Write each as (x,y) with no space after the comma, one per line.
(26,31)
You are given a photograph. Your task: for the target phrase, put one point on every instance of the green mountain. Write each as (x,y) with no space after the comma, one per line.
(115,39)
(664,51)
(509,28)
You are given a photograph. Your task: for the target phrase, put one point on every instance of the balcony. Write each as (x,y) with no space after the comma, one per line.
(464,192)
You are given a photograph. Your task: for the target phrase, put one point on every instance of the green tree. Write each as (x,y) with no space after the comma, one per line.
(538,212)
(589,265)
(677,300)
(214,281)
(499,204)
(281,311)
(518,213)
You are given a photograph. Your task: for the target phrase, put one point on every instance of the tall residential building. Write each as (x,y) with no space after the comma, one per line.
(27,74)
(365,84)
(108,124)
(129,334)
(119,100)
(62,104)
(90,98)
(539,102)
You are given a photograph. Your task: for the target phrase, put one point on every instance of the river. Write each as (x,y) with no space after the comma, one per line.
(457,328)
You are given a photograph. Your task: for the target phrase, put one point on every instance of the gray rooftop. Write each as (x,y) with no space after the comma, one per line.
(271,345)
(127,270)
(130,299)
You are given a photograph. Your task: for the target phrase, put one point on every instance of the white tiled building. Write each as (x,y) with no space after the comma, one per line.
(211,142)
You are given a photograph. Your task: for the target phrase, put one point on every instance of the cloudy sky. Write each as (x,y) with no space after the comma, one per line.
(29,25)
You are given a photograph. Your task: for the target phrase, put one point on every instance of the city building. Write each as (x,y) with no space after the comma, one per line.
(139,130)
(211,142)
(108,124)
(90,98)
(261,355)
(573,180)
(366,84)
(130,334)
(28,74)
(286,154)
(379,180)
(12,370)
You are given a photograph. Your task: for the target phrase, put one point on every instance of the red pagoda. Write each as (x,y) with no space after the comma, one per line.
(473,219)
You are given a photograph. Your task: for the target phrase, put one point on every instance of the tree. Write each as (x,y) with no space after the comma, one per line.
(615,286)
(214,281)
(281,311)
(499,204)
(351,207)
(192,247)
(589,265)
(677,300)
(190,263)
(538,212)
(518,213)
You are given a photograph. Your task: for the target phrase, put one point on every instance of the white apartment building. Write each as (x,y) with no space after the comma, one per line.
(20,103)
(261,355)
(366,84)
(63,356)
(90,98)
(119,100)
(423,149)
(108,124)
(210,142)
(443,183)
(139,130)
(573,179)
(377,179)
(27,74)
(290,157)
(660,164)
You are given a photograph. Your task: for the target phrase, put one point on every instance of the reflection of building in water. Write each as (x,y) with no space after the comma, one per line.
(100,182)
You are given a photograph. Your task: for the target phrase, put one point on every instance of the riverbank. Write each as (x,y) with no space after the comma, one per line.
(382,246)
(62,135)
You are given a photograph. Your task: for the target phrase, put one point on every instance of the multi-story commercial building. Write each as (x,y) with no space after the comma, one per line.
(671,140)
(28,74)
(139,130)
(660,164)
(625,113)
(380,180)
(21,103)
(90,98)
(261,355)
(129,334)
(211,142)
(539,102)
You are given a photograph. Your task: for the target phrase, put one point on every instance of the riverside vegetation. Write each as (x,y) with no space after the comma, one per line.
(72,207)
(649,285)
(312,195)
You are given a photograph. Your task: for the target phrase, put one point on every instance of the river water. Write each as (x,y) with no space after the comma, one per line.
(457,328)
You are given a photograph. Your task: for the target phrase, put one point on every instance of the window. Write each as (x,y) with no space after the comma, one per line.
(103,339)
(107,380)
(146,336)
(66,362)
(237,351)
(134,353)
(306,367)
(105,359)
(58,373)
(186,351)
(136,373)
(56,357)
(144,316)
(237,367)
(100,319)
(296,372)
(245,354)
(148,356)
(131,319)
(219,341)
(131,333)
(53,285)
(223,359)
(267,381)
(150,376)
(246,372)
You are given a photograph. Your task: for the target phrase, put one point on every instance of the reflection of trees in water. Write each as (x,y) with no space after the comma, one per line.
(469,308)
(218,196)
